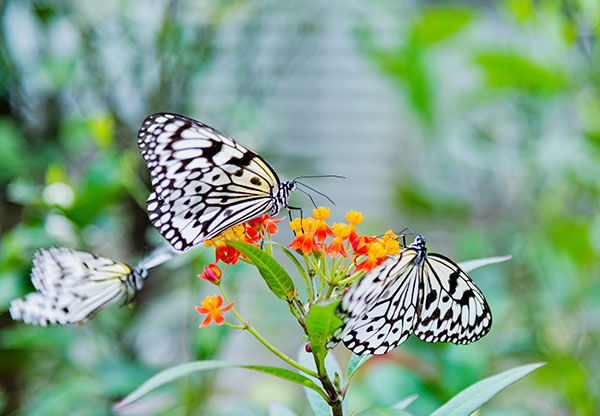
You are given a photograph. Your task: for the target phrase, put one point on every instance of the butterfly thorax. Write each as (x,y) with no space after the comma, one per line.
(282,195)
(419,245)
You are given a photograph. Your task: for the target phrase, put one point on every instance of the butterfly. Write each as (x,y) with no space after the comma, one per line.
(73,286)
(412,292)
(204,182)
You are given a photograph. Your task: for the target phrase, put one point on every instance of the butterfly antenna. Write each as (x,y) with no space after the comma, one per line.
(318,176)
(315,191)
(308,195)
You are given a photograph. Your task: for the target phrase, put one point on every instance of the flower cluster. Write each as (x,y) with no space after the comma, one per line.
(366,252)
(336,254)
(251,232)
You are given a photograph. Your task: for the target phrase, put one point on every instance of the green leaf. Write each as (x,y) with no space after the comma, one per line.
(505,70)
(473,397)
(293,259)
(321,322)
(278,280)
(182,370)
(403,404)
(439,23)
(356,361)
(470,265)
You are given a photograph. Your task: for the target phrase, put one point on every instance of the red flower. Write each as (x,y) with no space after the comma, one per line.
(361,245)
(212,273)
(212,306)
(226,254)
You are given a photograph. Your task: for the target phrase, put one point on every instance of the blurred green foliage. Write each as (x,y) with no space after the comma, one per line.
(505,107)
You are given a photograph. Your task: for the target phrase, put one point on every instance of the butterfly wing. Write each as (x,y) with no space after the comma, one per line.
(67,307)
(203,181)
(451,307)
(379,311)
(73,286)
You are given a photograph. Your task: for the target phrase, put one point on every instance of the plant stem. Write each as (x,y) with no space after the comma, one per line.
(248,327)
(278,353)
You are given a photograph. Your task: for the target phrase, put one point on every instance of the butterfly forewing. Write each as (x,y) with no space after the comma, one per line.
(452,308)
(203,181)
(389,320)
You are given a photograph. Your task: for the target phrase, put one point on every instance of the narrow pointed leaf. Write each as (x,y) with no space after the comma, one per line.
(403,404)
(293,259)
(278,280)
(473,397)
(182,370)
(356,361)
(470,265)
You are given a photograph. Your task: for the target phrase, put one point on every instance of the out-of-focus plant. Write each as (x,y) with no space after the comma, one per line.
(332,259)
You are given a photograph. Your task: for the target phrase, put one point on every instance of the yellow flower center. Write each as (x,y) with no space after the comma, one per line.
(211,303)
(321,213)
(354,218)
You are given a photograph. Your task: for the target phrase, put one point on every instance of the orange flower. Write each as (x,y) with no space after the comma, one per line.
(375,256)
(322,231)
(271,225)
(361,245)
(354,218)
(305,242)
(212,306)
(212,273)
(391,243)
(336,247)
(342,230)
(263,224)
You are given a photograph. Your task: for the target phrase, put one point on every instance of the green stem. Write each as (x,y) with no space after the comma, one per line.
(311,292)
(278,353)
(248,327)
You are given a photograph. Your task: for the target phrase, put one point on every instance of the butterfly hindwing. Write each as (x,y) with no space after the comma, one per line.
(73,286)
(389,320)
(203,181)
(452,307)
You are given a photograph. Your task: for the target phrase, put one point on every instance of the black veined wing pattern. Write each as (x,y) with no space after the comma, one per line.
(72,286)
(203,181)
(412,292)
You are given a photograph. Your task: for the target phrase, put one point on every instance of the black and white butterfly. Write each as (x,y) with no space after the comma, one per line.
(73,286)
(203,181)
(412,292)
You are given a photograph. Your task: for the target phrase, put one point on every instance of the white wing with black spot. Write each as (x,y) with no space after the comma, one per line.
(452,308)
(412,292)
(72,286)
(203,182)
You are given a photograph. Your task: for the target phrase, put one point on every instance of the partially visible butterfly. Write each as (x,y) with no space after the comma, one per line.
(73,286)
(204,182)
(412,292)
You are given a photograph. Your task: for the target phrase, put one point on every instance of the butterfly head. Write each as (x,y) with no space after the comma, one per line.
(419,243)
(139,274)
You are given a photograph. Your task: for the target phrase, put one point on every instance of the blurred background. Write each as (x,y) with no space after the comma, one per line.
(476,124)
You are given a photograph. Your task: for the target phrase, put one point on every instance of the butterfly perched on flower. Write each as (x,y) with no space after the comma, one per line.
(204,182)
(412,292)
(73,286)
